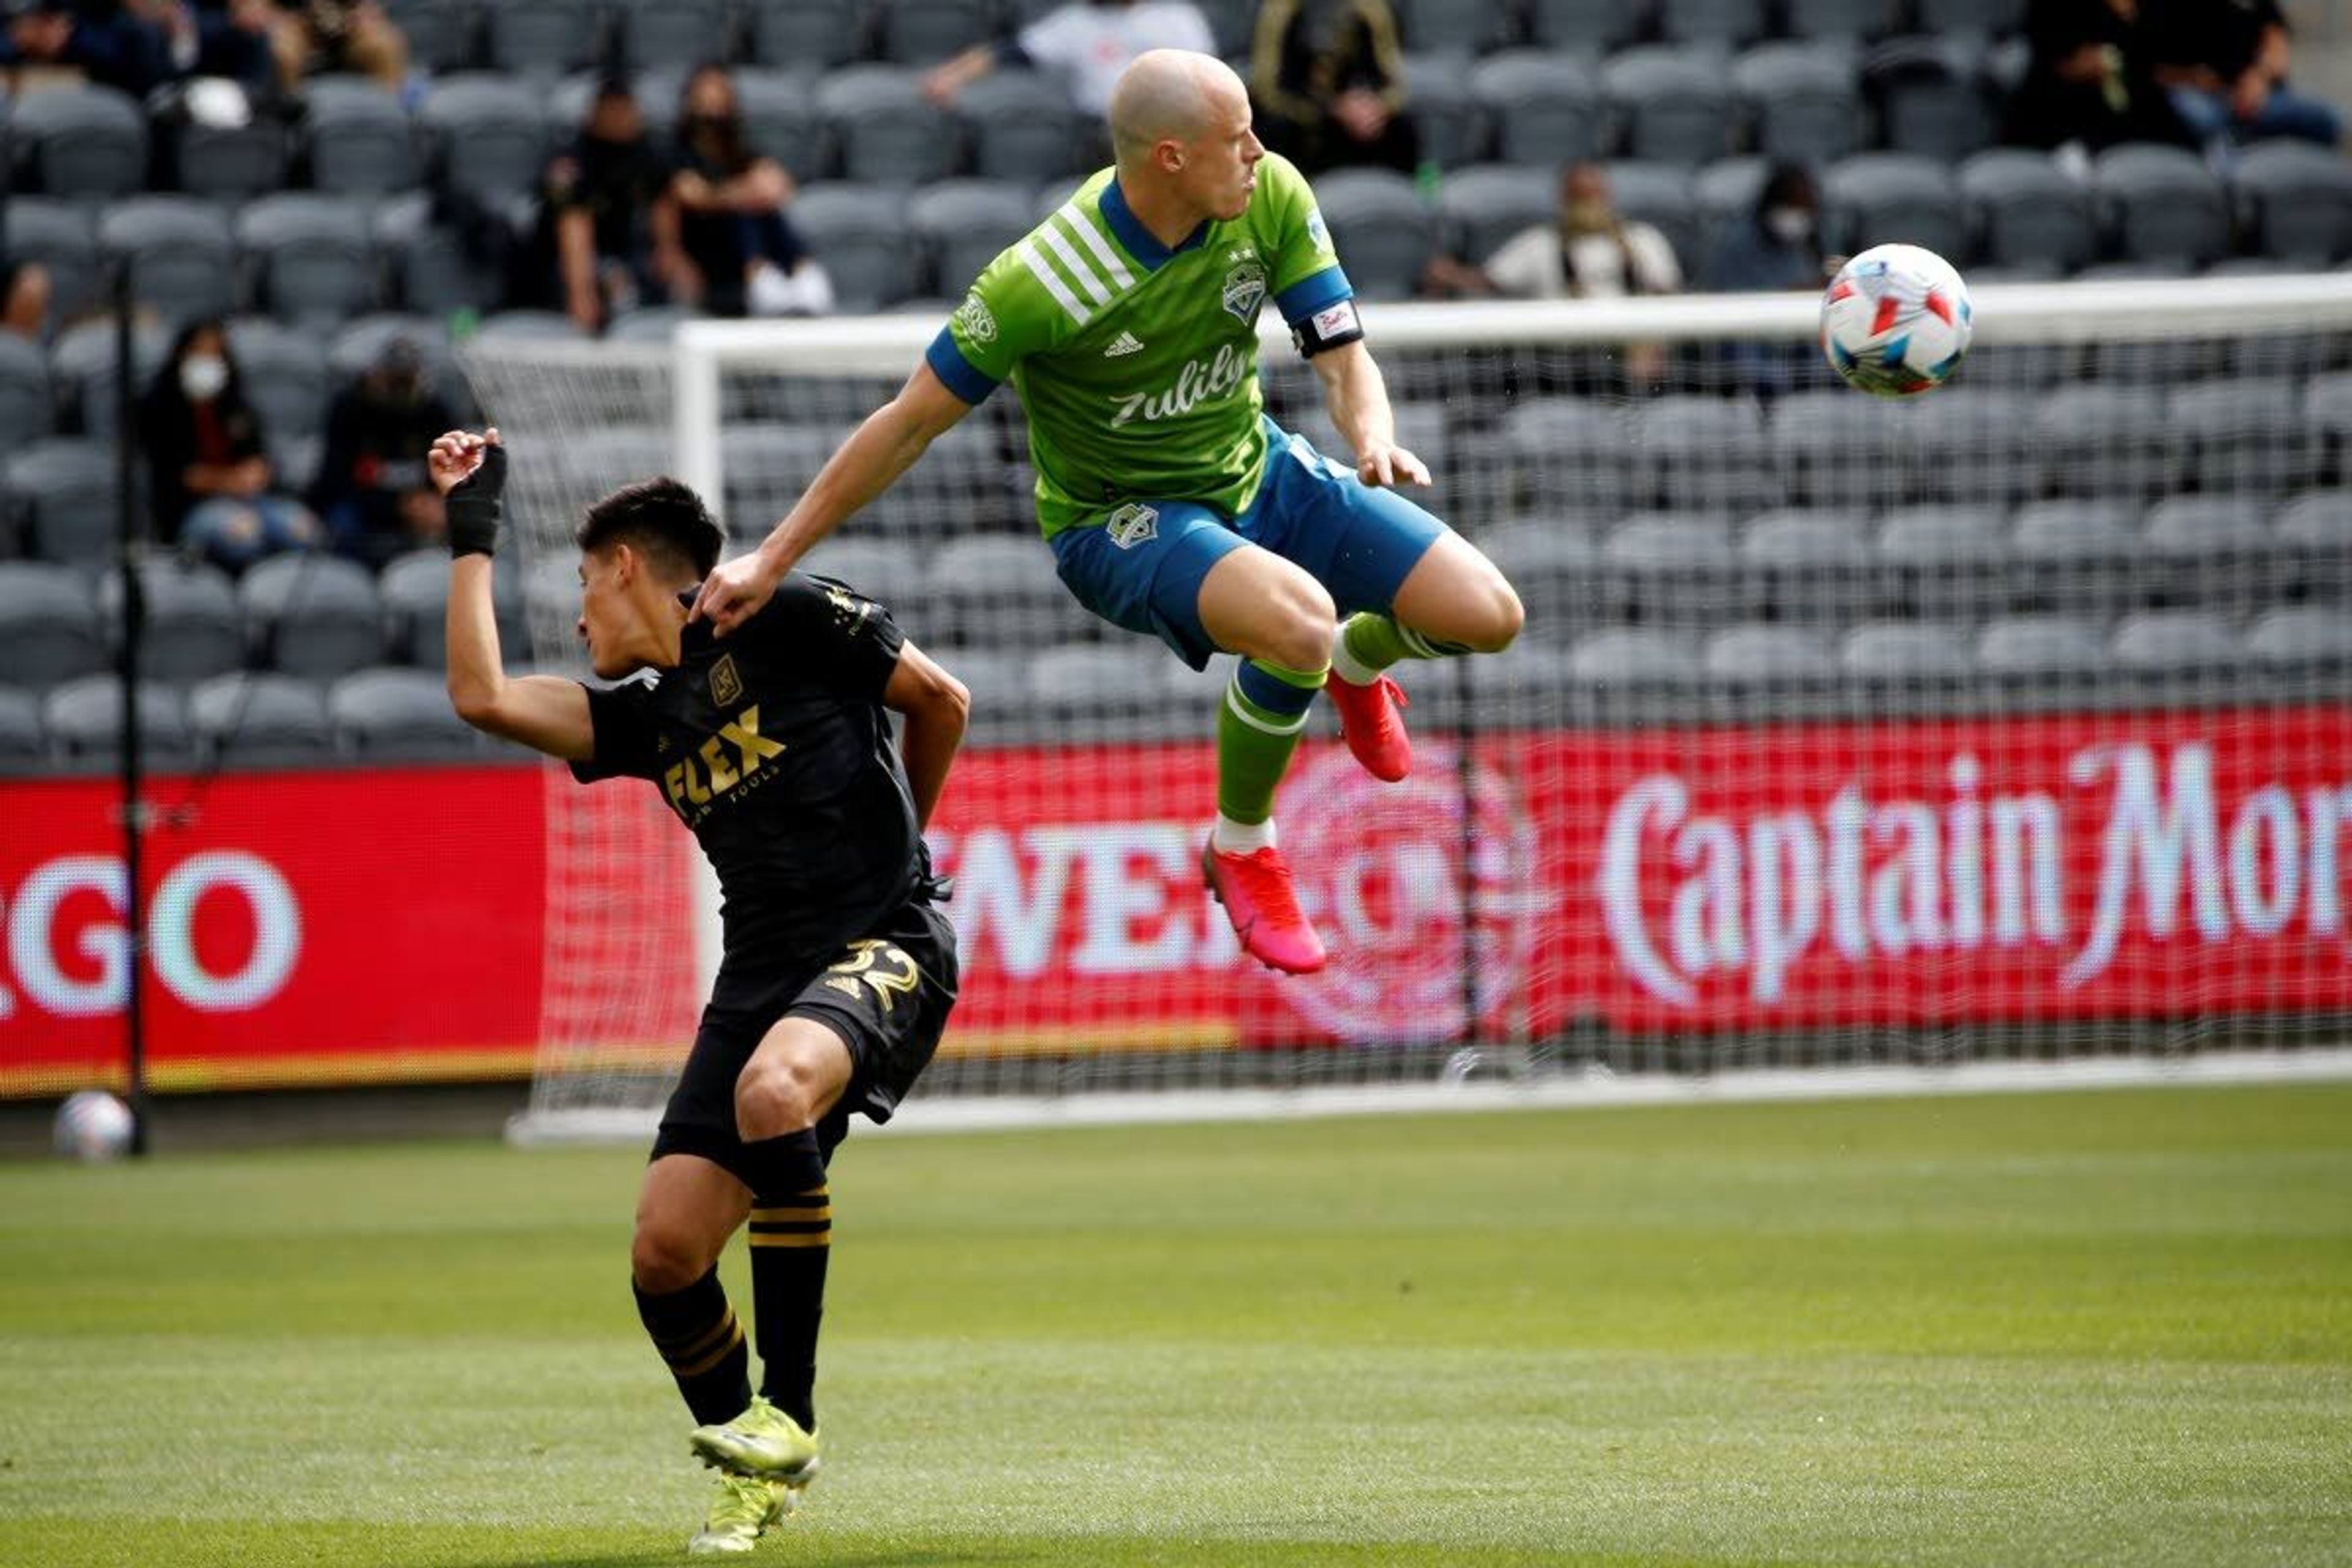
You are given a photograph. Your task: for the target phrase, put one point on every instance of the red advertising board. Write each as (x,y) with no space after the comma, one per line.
(347,926)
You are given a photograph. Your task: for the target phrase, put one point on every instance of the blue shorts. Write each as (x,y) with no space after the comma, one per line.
(1140,565)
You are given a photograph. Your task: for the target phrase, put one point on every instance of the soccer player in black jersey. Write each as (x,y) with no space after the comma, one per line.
(774,747)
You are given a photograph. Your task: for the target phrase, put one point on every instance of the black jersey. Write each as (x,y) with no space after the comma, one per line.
(772,745)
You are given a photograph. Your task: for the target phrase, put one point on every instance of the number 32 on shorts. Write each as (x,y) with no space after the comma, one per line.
(879,965)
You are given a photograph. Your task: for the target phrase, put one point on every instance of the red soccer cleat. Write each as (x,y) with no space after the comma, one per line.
(1370,719)
(1256,892)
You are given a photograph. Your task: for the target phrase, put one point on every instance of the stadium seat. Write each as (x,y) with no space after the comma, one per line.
(49,626)
(2301,634)
(435,272)
(2294,201)
(1802,101)
(1943,560)
(181,256)
(249,720)
(2098,439)
(2027,211)
(1021,126)
(993,588)
(1853,20)
(780,122)
(1593,27)
(2243,434)
(312,613)
(2176,642)
(81,371)
(1635,656)
(1384,234)
(1095,691)
(964,224)
(83,722)
(1545,107)
(883,569)
(862,236)
(768,465)
(443,34)
(655,91)
(62,493)
(1929,94)
(963,485)
(488,134)
(545,38)
(83,142)
(27,404)
(531,326)
(1550,560)
(674,34)
(1990,17)
(2161,203)
(925,31)
(1874,198)
(2321,519)
(1905,650)
(1669,105)
(2218,551)
(61,237)
(1667,567)
(1807,565)
(1712,23)
(1724,193)
(1472,27)
(1706,451)
(2037,644)
(802,35)
(312,258)
(1487,203)
(285,374)
(2078,556)
(1572,446)
(886,132)
(1764,652)
(415,592)
(1445,112)
(230,163)
(357,139)
(389,716)
(193,628)
(23,750)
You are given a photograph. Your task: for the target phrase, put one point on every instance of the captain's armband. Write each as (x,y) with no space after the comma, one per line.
(1328,328)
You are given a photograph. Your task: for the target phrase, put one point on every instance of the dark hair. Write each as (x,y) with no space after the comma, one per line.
(1788,185)
(661,519)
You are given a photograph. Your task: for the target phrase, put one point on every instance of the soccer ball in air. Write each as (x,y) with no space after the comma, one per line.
(1896,321)
(93,1125)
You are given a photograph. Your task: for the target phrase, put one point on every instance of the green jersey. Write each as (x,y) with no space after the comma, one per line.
(1137,365)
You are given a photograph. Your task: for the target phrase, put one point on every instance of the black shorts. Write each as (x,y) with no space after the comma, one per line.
(886,996)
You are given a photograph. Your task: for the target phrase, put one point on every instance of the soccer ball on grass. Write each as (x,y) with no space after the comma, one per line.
(1896,321)
(93,1125)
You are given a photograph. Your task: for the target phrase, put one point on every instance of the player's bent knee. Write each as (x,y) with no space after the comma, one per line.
(773,1098)
(664,1261)
(1503,618)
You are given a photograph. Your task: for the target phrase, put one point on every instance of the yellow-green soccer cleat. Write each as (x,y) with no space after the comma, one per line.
(763,1443)
(743,1508)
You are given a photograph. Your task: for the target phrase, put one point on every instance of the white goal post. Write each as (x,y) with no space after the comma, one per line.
(2007,723)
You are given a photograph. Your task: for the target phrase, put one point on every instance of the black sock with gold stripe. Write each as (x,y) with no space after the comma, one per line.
(697,1334)
(791,1240)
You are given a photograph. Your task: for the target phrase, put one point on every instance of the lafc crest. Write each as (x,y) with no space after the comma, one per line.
(726,682)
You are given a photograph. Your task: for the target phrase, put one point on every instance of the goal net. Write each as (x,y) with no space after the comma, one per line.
(2008,722)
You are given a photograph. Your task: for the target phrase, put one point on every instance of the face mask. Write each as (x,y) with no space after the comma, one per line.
(1790,225)
(1587,217)
(202,376)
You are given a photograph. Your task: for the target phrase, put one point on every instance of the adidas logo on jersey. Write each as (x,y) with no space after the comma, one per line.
(1125,344)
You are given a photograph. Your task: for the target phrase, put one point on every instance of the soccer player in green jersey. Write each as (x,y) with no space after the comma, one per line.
(1128,322)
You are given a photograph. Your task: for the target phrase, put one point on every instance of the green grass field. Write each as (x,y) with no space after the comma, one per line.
(2092,1328)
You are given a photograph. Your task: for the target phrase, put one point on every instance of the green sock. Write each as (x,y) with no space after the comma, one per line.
(1258,725)
(1369,643)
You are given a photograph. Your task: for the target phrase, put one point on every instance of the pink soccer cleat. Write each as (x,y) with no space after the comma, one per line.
(1371,720)
(1259,900)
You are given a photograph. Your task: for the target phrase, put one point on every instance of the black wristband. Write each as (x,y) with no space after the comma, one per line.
(473,506)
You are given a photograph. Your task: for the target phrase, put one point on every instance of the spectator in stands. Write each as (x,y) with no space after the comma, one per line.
(24,296)
(1328,81)
(1091,42)
(106,40)
(1779,244)
(1589,251)
(211,480)
(2224,65)
(307,36)
(233,41)
(2090,83)
(608,225)
(372,490)
(741,254)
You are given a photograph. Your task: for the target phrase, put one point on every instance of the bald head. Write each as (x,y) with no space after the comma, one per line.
(1171,95)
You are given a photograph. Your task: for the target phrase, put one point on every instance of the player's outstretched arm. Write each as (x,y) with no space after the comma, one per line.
(1356,397)
(868,463)
(936,706)
(541,711)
